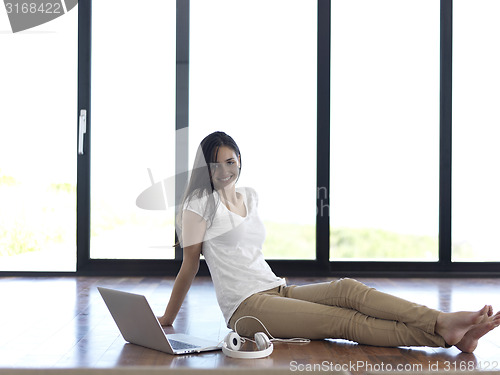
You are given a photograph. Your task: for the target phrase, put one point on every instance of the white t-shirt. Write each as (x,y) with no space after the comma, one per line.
(232,248)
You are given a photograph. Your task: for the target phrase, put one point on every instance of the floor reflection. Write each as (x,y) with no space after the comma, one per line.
(63,322)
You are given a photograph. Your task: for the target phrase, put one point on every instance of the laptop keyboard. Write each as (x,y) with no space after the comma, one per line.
(178,345)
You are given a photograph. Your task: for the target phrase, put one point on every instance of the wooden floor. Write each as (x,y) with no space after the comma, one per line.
(63,322)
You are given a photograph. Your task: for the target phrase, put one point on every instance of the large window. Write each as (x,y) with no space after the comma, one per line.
(253,75)
(37,145)
(476,130)
(133,129)
(342,104)
(384,202)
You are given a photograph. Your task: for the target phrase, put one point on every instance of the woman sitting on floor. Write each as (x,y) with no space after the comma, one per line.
(221,221)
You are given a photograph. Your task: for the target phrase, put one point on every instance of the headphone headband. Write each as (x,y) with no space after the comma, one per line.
(247,354)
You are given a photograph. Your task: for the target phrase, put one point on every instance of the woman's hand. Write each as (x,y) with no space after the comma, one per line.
(165,321)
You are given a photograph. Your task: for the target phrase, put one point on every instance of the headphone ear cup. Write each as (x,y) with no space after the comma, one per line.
(233,341)
(262,341)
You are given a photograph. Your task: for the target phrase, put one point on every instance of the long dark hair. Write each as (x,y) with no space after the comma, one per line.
(200,183)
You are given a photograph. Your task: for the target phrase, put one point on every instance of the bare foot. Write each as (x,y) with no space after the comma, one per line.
(471,338)
(488,314)
(453,326)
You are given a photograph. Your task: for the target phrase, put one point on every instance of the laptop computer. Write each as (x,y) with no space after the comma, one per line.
(138,325)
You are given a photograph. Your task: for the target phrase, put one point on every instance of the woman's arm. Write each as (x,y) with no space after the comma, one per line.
(194,227)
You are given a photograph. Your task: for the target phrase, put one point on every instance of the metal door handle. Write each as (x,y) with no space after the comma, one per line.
(82,129)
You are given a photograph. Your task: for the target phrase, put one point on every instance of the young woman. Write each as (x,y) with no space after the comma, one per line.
(221,221)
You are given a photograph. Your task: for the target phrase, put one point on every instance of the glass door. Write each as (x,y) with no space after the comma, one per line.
(38,96)
(133,129)
(258,84)
(476,130)
(384,203)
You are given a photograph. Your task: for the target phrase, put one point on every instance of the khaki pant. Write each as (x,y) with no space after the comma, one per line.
(342,309)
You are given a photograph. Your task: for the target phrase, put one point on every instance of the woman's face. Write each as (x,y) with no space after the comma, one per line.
(226,170)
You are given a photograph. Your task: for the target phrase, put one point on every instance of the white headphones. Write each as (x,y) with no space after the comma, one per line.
(232,343)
